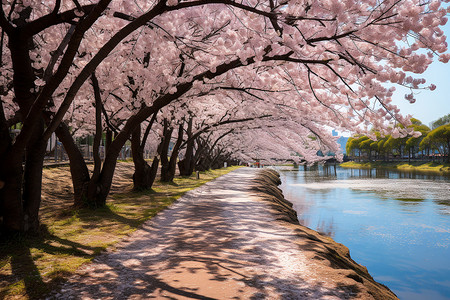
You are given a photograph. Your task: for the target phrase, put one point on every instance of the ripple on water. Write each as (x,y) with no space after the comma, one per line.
(401,189)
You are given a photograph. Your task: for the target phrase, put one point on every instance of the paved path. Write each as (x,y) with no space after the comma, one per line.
(216,242)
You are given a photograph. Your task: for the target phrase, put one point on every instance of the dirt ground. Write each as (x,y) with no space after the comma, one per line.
(220,241)
(57,186)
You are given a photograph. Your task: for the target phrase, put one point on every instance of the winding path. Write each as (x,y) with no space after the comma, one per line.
(217,242)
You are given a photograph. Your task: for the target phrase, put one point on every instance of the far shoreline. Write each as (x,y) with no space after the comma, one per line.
(420,167)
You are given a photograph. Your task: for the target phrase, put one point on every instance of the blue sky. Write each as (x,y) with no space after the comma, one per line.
(429,105)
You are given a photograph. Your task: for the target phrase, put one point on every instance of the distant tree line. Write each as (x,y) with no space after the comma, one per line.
(432,144)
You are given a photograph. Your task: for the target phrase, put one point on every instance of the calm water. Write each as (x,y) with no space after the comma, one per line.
(396,224)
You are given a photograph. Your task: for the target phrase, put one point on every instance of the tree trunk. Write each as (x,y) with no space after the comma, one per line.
(153,170)
(164,150)
(78,167)
(104,181)
(215,161)
(182,166)
(186,165)
(208,160)
(174,156)
(33,179)
(11,157)
(93,189)
(102,184)
(108,138)
(144,175)
(142,179)
(5,144)
(21,194)
(11,194)
(199,155)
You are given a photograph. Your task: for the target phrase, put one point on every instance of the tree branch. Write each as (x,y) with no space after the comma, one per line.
(57,54)
(56,8)
(4,23)
(232,121)
(147,130)
(98,128)
(52,19)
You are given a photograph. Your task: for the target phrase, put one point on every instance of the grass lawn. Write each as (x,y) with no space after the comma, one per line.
(405,166)
(30,267)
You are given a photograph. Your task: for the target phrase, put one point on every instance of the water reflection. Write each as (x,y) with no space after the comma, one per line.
(331,171)
(395,223)
(408,202)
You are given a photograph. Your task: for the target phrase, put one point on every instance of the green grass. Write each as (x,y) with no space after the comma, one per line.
(404,166)
(30,267)
(129,159)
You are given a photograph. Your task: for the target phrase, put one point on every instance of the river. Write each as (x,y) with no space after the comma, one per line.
(397,224)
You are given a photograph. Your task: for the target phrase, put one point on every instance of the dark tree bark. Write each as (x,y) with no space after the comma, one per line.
(35,153)
(108,139)
(201,160)
(78,167)
(93,188)
(20,196)
(174,155)
(11,160)
(144,175)
(141,168)
(207,160)
(186,165)
(5,144)
(216,160)
(10,194)
(164,151)
(86,187)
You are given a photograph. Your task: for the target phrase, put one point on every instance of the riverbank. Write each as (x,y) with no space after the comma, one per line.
(30,267)
(402,166)
(337,265)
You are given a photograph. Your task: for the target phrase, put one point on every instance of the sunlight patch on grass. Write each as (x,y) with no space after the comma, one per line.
(16,290)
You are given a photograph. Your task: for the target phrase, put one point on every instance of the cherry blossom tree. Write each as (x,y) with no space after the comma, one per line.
(326,63)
